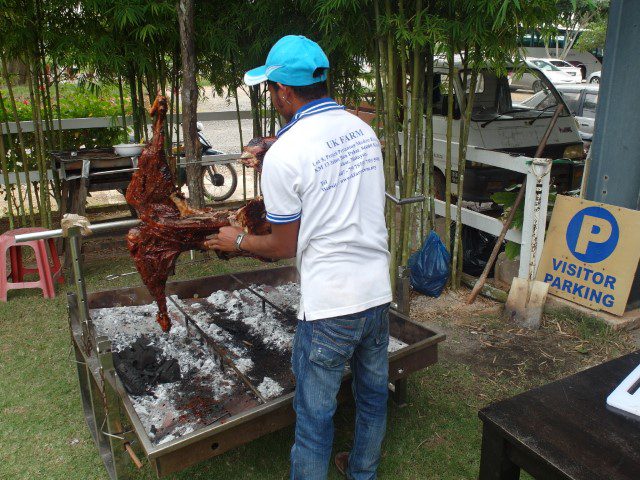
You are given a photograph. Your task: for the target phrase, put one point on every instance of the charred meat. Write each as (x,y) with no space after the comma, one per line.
(169,224)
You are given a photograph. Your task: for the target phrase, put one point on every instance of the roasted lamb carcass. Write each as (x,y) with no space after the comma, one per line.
(169,225)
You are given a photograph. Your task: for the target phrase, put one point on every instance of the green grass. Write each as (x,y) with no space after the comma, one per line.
(43,433)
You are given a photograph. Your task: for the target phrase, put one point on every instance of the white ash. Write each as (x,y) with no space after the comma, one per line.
(158,411)
(269,388)
(395,344)
(243,306)
(240,354)
(286,296)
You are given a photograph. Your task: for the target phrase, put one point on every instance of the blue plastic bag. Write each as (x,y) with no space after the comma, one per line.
(430,267)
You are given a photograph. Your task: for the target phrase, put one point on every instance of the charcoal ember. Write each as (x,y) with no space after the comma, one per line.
(141,367)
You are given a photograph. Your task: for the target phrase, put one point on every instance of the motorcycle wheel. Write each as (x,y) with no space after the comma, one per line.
(220,181)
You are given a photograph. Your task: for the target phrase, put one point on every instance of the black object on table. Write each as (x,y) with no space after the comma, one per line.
(563,430)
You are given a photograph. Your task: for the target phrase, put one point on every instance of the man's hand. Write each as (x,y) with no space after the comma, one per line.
(280,243)
(225,240)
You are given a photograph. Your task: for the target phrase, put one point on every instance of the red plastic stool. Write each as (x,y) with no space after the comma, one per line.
(47,273)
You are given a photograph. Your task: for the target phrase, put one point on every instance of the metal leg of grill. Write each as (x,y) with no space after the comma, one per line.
(399,393)
(115,431)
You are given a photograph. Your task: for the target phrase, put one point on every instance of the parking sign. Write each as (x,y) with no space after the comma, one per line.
(591,253)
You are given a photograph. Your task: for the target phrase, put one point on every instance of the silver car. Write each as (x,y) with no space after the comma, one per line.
(530,79)
(582,100)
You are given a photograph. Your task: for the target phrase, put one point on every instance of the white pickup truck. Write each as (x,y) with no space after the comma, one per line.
(501,121)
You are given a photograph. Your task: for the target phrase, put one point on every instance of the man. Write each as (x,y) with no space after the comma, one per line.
(323,189)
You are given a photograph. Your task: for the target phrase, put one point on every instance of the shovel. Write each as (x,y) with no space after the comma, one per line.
(526,299)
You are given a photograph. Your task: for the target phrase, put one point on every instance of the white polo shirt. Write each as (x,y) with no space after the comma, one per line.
(326,170)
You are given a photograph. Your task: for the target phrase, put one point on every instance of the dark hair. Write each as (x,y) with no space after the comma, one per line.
(308,92)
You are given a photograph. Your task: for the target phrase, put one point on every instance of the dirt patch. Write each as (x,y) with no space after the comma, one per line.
(497,350)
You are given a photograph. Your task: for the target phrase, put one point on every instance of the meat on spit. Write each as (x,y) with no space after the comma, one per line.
(255,150)
(169,224)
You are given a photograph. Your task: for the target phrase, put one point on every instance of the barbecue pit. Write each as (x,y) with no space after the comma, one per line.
(232,341)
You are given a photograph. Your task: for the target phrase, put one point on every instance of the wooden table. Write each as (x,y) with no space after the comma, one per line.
(563,430)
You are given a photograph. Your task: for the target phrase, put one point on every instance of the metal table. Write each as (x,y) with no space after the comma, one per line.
(90,170)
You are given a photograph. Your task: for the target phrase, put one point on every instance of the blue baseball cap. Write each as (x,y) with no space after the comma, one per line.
(291,61)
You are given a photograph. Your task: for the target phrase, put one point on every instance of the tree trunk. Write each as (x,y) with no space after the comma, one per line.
(192,153)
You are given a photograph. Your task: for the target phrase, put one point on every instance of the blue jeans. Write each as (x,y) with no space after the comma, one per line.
(321,351)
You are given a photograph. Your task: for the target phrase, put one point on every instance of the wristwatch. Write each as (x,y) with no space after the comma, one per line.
(239,239)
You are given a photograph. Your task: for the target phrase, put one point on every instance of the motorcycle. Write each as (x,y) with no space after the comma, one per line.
(220,179)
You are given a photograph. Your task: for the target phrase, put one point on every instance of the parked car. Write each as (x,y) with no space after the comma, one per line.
(529,80)
(565,67)
(581,100)
(499,121)
(594,77)
(573,56)
(581,66)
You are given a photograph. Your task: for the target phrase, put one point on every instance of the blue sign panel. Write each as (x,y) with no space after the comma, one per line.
(592,234)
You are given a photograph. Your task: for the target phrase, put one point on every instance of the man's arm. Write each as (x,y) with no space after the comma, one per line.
(281,243)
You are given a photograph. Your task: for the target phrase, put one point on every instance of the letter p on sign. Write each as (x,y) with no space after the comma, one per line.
(592,234)
(593,230)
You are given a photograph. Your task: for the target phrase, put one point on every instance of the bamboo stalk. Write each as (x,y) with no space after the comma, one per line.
(5,176)
(378,92)
(447,195)
(402,53)
(239,120)
(392,141)
(428,134)
(56,84)
(41,78)
(123,111)
(16,171)
(178,90)
(39,146)
(134,104)
(272,119)
(23,152)
(410,147)
(382,92)
(44,93)
(143,112)
(420,157)
(462,156)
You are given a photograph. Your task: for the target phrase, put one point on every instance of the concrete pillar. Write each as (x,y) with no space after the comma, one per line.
(614,176)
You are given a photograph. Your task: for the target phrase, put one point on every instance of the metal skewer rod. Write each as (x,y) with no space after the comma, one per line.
(95,229)
(262,297)
(220,351)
